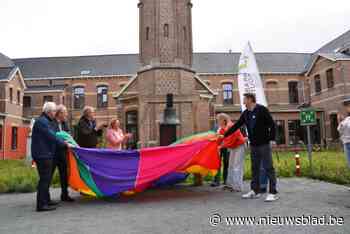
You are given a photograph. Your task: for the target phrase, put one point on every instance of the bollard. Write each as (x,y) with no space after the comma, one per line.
(297,165)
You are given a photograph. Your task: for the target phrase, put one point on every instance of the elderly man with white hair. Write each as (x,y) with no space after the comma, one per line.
(87,129)
(44,145)
(60,161)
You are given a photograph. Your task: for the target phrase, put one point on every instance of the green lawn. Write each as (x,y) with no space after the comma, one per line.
(328,166)
(16,176)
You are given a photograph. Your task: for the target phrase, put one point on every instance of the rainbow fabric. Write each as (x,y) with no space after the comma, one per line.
(104,172)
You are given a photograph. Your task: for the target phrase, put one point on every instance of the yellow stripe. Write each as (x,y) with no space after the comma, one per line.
(201,170)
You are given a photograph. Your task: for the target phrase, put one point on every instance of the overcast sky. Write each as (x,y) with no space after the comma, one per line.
(36,28)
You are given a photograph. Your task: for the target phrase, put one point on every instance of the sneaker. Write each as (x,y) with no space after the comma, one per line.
(250,195)
(271,197)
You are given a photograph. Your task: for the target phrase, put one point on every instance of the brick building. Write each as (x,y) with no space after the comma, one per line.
(132,87)
(13,126)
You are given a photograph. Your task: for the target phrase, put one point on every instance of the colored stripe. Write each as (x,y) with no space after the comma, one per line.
(170,179)
(74,179)
(208,157)
(101,172)
(86,176)
(112,171)
(196,137)
(159,161)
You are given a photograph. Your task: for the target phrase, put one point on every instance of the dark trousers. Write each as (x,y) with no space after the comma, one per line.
(225,156)
(44,168)
(264,180)
(262,156)
(61,164)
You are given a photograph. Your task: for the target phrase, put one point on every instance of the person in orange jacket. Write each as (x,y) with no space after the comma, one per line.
(235,144)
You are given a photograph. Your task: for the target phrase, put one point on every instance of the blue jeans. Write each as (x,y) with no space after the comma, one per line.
(262,155)
(347,152)
(263,178)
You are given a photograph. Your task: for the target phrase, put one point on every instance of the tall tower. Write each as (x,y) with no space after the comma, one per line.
(166,68)
(165,32)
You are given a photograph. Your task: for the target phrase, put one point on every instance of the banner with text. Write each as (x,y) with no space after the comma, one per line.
(249,80)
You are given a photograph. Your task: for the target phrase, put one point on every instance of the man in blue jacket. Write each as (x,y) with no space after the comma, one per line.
(44,145)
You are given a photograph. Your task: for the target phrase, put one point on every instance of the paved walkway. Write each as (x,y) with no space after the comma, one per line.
(181,209)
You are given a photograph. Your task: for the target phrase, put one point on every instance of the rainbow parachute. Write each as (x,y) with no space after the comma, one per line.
(105,172)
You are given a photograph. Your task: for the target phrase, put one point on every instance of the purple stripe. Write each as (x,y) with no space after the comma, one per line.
(170,179)
(112,171)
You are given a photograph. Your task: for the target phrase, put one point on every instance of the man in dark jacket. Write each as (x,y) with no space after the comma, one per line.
(87,131)
(261,131)
(44,146)
(60,160)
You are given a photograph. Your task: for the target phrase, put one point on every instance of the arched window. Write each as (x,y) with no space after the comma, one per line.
(185,33)
(227,93)
(166,30)
(330,78)
(334,126)
(318,86)
(131,124)
(280,132)
(14,138)
(102,96)
(18,97)
(79,97)
(293,92)
(11,95)
(27,101)
(147,33)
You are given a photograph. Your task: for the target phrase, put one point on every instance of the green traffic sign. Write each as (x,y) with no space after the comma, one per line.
(308,117)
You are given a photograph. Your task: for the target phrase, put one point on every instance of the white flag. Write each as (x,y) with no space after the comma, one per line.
(249,80)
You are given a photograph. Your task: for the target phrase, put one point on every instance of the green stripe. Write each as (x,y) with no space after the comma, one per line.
(87,178)
(192,136)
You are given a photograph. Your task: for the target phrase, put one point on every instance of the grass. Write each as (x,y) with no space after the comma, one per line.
(18,177)
(330,166)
